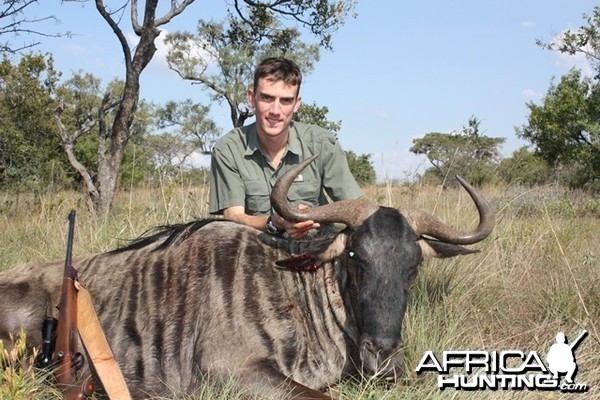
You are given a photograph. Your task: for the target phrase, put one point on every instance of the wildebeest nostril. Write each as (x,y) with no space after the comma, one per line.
(367,344)
(376,345)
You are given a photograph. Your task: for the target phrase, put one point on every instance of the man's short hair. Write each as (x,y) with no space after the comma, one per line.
(278,69)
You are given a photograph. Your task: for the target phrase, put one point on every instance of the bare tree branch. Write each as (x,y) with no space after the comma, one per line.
(116,29)
(117,135)
(68,141)
(13,22)
(175,10)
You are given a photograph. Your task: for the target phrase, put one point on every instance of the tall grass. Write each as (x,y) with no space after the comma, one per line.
(537,274)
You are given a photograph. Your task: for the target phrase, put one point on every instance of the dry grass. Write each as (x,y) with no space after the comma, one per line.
(538,273)
(18,379)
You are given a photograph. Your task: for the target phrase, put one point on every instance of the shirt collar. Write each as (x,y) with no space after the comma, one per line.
(253,145)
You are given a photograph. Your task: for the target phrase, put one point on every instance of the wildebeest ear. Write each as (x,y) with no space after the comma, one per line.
(435,248)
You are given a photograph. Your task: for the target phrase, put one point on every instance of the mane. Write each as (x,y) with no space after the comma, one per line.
(168,234)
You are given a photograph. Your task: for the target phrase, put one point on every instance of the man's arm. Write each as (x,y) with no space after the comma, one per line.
(238,214)
(296,230)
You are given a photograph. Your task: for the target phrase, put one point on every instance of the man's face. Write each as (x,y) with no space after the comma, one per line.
(274,105)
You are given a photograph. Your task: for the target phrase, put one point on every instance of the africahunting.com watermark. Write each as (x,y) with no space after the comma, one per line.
(507,370)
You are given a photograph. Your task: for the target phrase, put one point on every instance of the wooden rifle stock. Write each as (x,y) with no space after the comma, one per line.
(68,361)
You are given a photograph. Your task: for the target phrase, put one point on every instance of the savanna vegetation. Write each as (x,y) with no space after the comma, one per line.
(536,275)
(79,143)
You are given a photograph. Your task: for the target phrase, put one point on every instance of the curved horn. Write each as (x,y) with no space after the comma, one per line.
(349,212)
(425,224)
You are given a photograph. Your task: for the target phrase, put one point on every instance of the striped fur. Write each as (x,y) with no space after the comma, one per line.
(206,299)
(175,313)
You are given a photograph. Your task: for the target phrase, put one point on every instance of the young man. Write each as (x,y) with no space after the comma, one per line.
(247,161)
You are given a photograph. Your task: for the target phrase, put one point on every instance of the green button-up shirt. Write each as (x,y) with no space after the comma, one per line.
(242,176)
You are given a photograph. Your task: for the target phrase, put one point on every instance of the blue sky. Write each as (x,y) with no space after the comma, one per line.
(399,70)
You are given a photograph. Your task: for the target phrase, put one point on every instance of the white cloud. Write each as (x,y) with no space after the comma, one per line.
(531,94)
(579,61)
(162,49)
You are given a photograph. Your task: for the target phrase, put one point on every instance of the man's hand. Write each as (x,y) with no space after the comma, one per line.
(297,230)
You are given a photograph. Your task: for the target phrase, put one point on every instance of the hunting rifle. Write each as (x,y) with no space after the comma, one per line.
(68,361)
(77,319)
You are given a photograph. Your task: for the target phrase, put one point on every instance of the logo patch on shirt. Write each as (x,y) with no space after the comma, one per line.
(299,178)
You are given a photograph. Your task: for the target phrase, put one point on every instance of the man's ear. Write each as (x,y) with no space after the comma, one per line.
(250,97)
(298,103)
(435,248)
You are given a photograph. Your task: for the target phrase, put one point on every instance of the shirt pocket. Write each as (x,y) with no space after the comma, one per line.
(306,192)
(257,197)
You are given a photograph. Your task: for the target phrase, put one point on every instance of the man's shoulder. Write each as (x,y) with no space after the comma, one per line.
(314,133)
(237,137)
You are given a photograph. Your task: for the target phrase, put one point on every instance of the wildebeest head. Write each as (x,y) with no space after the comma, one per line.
(379,253)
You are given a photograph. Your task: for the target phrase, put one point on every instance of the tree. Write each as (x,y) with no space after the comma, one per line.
(585,40)
(13,22)
(319,16)
(190,122)
(114,134)
(467,153)
(524,167)
(565,128)
(223,55)
(233,49)
(138,166)
(81,109)
(169,153)
(187,130)
(361,168)
(315,115)
(84,113)
(30,155)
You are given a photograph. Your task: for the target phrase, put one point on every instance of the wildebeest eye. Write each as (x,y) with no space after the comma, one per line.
(351,254)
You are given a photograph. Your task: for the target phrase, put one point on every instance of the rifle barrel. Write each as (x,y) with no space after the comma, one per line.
(69,256)
(67,358)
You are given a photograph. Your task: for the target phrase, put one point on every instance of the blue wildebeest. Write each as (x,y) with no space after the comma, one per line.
(215,298)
